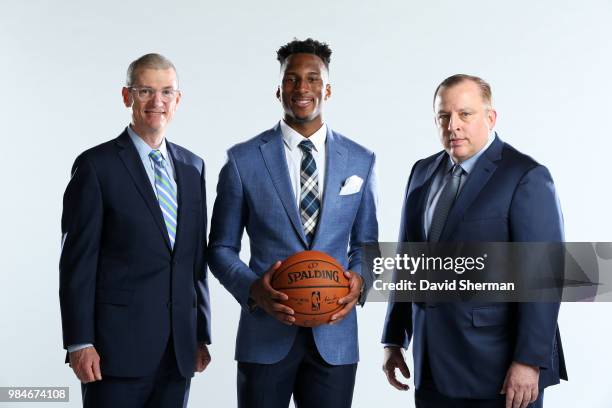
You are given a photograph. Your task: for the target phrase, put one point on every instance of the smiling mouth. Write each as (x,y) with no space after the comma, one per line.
(301,102)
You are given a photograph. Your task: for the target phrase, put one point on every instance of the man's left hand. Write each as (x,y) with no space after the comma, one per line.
(521,385)
(350,300)
(202,357)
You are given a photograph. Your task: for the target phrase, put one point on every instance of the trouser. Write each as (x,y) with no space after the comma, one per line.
(303,373)
(428,396)
(165,387)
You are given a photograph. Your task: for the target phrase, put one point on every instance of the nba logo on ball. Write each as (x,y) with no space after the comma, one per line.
(316,301)
(314,282)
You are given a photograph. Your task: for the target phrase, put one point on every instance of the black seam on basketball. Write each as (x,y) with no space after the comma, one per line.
(307,260)
(310,287)
(317,314)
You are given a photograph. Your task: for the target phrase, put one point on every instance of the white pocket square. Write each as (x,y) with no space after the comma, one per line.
(351,185)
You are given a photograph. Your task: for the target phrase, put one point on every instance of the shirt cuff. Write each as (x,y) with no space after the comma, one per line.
(74,347)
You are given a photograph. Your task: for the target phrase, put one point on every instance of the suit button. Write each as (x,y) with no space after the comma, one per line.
(169,305)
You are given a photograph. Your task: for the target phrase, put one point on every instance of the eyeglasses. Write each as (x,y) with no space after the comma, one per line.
(144,94)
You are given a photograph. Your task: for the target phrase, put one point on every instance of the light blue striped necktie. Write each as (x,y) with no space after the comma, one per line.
(166,194)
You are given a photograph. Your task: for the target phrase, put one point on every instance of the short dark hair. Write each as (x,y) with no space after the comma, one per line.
(151,61)
(307,46)
(485,88)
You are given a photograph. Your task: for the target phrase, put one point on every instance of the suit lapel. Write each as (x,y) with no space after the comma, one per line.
(422,200)
(336,161)
(274,156)
(129,155)
(481,173)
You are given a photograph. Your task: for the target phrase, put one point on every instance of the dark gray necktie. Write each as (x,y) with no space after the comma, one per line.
(445,203)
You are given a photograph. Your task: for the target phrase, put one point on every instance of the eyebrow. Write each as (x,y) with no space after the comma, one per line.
(458,110)
(308,73)
(150,87)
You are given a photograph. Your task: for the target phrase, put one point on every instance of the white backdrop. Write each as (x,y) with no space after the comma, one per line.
(63,65)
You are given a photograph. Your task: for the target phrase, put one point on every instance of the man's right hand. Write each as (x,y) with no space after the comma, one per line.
(394,358)
(86,364)
(268,299)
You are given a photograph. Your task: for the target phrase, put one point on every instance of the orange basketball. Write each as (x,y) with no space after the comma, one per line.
(314,281)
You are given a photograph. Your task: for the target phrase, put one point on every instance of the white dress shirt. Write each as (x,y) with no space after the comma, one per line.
(293,154)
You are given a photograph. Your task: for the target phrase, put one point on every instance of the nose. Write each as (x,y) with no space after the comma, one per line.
(302,85)
(453,122)
(157,98)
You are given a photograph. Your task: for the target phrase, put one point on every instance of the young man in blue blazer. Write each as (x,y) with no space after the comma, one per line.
(297,186)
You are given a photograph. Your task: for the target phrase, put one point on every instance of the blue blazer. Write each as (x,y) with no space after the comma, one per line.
(255,193)
(122,288)
(508,197)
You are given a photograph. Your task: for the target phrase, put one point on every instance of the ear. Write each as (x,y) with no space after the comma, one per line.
(178,98)
(491,118)
(328,91)
(127,97)
(278,93)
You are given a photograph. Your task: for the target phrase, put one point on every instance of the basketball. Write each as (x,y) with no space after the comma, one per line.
(313,281)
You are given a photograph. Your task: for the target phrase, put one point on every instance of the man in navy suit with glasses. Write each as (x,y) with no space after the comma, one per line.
(133,285)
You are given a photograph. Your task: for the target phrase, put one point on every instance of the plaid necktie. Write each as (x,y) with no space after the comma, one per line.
(166,194)
(309,192)
(445,203)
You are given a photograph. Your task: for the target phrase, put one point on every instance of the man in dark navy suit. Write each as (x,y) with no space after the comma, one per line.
(478,189)
(133,286)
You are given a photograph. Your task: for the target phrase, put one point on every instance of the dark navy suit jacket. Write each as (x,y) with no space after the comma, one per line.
(508,197)
(122,287)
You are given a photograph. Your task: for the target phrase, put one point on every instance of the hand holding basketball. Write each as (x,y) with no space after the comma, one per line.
(349,301)
(314,282)
(269,299)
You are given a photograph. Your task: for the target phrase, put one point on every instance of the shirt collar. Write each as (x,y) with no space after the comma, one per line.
(292,138)
(468,165)
(143,148)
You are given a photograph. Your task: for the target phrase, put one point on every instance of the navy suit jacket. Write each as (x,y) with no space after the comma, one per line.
(508,197)
(122,287)
(255,193)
